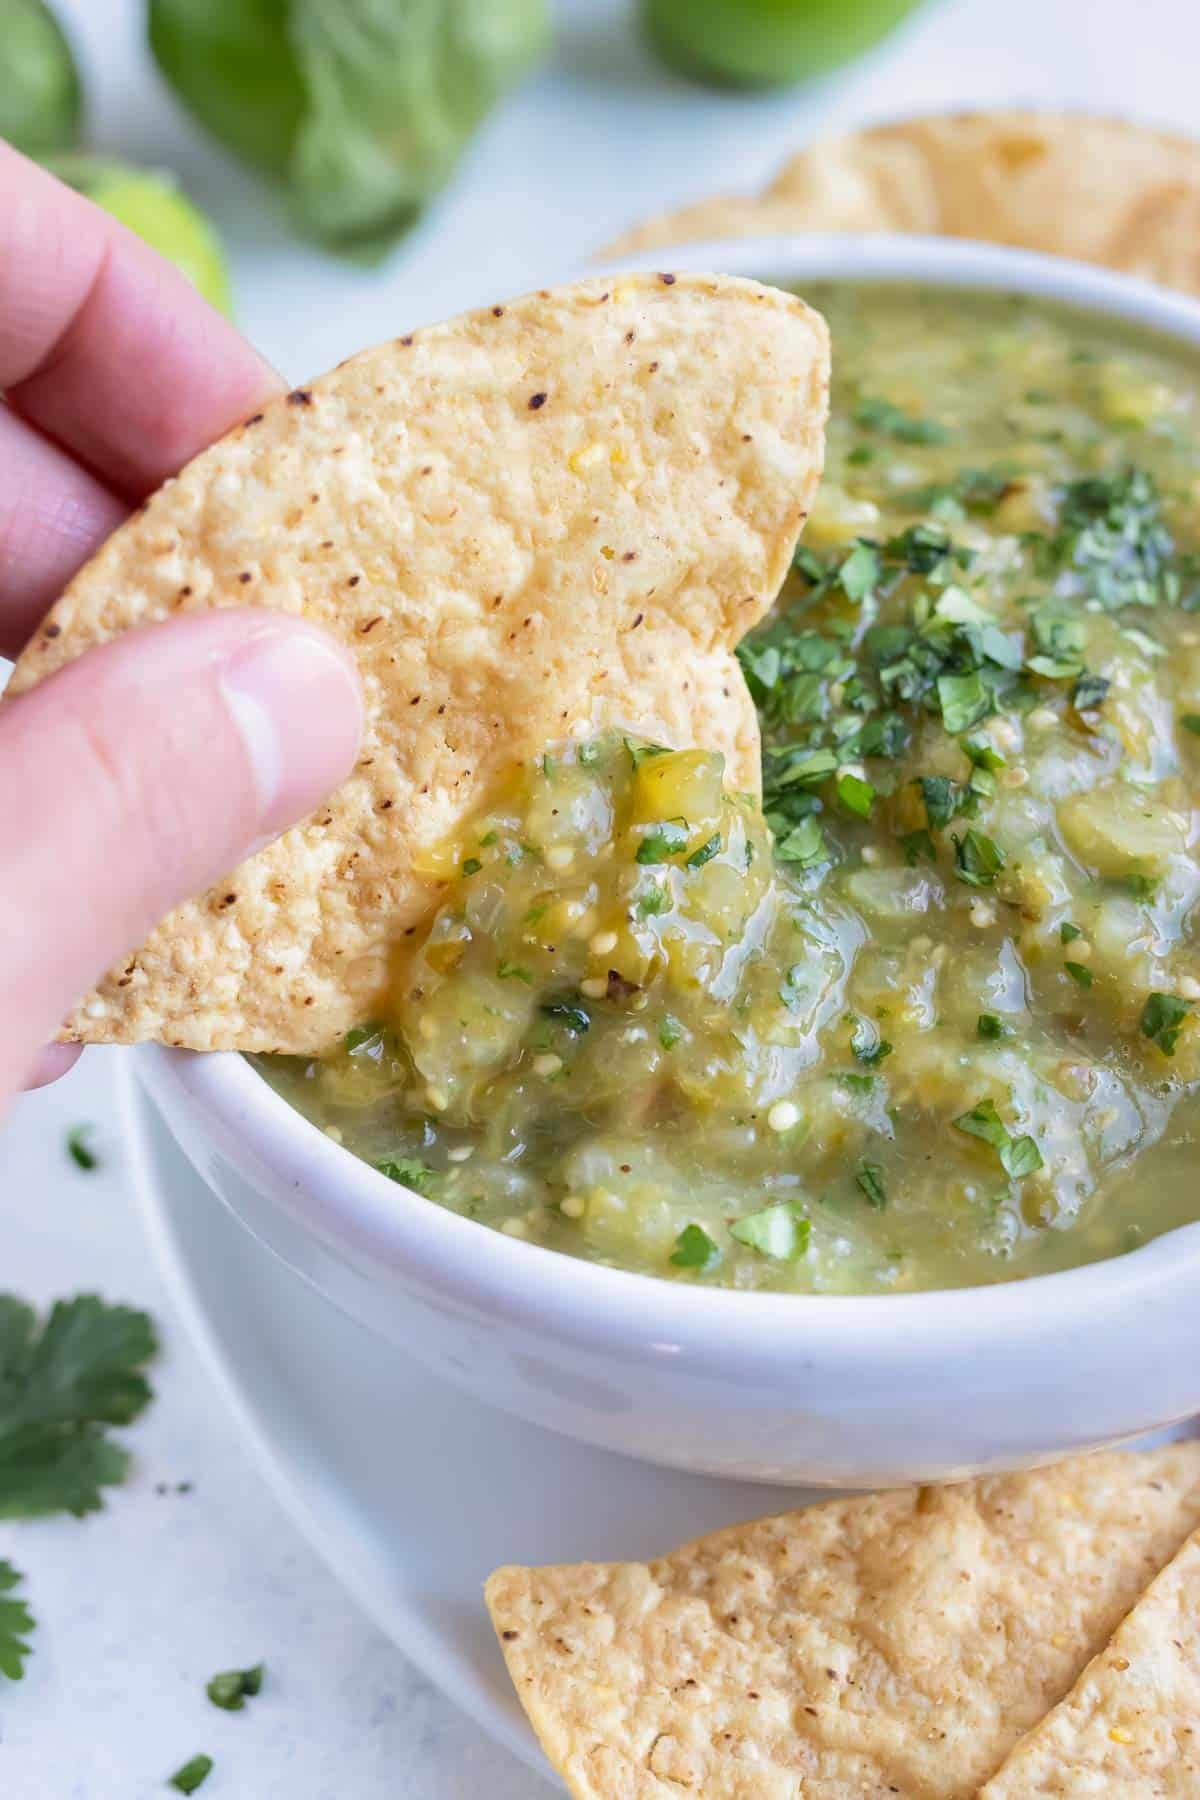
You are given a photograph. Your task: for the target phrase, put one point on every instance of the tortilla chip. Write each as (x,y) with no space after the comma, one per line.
(567,508)
(1101,190)
(1131,1724)
(896,1644)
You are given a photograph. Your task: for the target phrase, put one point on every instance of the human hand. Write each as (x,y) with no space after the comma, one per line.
(147,769)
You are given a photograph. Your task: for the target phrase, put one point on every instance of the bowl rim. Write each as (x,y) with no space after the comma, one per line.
(380,1225)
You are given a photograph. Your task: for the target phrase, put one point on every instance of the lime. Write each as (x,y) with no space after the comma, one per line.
(40,101)
(764,42)
(151,202)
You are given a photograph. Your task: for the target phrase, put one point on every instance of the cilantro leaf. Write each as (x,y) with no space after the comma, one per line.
(777,1231)
(918,844)
(16,1623)
(860,572)
(60,1386)
(869,1177)
(856,795)
(964,700)
(1089,692)
(231,1689)
(705,853)
(669,1032)
(1191,722)
(694,1249)
(1162,1020)
(1069,932)
(1018,1156)
(978,859)
(989,1026)
(194,1773)
(941,799)
(1080,974)
(409,1171)
(804,844)
(665,839)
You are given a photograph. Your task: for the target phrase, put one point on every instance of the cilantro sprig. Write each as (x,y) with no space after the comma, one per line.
(62,1384)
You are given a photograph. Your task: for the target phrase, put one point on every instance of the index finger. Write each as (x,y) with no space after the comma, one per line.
(105,346)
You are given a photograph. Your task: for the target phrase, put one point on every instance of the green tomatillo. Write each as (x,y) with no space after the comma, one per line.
(762,43)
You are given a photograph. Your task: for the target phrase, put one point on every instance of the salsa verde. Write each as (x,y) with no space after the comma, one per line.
(929,1016)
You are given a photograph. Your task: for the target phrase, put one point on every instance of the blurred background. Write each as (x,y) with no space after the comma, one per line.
(362,165)
(333,172)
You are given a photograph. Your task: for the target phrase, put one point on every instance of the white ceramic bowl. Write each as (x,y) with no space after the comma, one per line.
(851,1392)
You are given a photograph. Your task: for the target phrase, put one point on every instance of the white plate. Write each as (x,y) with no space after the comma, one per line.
(410,1491)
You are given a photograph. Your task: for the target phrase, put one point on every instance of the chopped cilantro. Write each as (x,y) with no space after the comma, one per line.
(694,1249)
(1018,1156)
(804,844)
(471,865)
(860,455)
(231,1689)
(655,900)
(1191,722)
(858,1084)
(1089,692)
(569,1014)
(1112,534)
(964,700)
(663,840)
(79,1149)
(977,859)
(856,795)
(61,1385)
(669,1032)
(194,1773)
(361,1035)
(989,1026)
(510,971)
(639,753)
(1162,1020)
(588,755)
(869,1177)
(883,416)
(16,1623)
(409,1171)
(918,844)
(777,1231)
(941,799)
(1021,1158)
(1142,887)
(1068,932)
(983,754)
(491,837)
(868,1046)
(860,572)
(1080,974)
(705,853)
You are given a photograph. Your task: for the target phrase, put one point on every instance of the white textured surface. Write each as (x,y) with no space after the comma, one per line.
(139,1605)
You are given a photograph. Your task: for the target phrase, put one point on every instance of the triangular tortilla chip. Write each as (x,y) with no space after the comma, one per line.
(1102,190)
(896,1644)
(1130,1727)
(568,507)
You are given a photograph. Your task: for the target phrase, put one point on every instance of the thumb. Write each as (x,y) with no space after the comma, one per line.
(140,774)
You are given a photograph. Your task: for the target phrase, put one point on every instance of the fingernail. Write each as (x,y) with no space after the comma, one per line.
(296,702)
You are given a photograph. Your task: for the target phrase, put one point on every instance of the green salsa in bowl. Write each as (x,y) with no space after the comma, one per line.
(930,1016)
